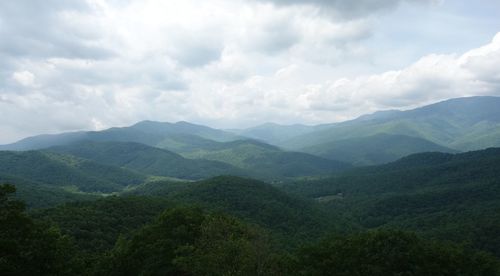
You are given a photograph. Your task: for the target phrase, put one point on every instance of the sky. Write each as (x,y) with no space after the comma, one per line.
(89,65)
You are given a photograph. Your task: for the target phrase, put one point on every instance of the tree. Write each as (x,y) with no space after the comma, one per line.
(29,248)
(392,253)
(187,241)
(226,246)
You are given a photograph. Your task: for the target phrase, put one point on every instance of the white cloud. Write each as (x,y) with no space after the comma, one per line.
(432,78)
(70,65)
(25,78)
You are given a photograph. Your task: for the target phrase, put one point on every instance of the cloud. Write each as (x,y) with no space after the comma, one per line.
(25,78)
(347,9)
(41,29)
(430,79)
(282,98)
(194,49)
(92,64)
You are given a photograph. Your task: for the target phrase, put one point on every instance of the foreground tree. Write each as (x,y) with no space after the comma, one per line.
(187,241)
(392,253)
(29,248)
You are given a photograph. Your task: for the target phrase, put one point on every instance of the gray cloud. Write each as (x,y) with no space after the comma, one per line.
(194,49)
(274,37)
(87,64)
(40,29)
(346,9)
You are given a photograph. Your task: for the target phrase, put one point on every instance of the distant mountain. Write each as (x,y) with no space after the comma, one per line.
(460,124)
(375,149)
(146,132)
(445,196)
(166,129)
(188,145)
(45,141)
(274,133)
(266,161)
(147,160)
(206,158)
(58,170)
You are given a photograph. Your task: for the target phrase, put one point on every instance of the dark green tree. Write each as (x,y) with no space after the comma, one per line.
(187,241)
(392,253)
(29,248)
(226,246)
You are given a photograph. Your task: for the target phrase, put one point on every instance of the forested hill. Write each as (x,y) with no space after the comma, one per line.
(242,158)
(454,125)
(376,149)
(60,170)
(461,124)
(446,196)
(145,132)
(139,236)
(260,203)
(289,218)
(147,160)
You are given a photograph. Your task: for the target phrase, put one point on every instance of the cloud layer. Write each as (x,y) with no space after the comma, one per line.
(71,65)
(347,9)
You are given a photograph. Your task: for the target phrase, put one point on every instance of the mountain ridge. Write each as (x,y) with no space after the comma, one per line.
(460,124)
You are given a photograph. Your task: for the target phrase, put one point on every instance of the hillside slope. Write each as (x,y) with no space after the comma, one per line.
(275,133)
(60,170)
(254,201)
(40,195)
(147,160)
(461,124)
(376,149)
(145,132)
(447,196)
(268,162)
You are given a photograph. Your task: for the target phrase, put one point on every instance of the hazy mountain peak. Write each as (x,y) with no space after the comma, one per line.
(382,114)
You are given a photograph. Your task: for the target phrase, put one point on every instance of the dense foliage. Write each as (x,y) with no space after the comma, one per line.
(63,170)
(293,218)
(29,248)
(40,195)
(453,197)
(190,241)
(186,241)
(96,225)
(383,253)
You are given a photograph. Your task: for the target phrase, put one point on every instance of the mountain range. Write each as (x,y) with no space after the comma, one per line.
(461,124)
(275,151)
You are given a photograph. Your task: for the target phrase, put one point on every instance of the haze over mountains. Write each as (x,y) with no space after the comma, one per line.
(454,125)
